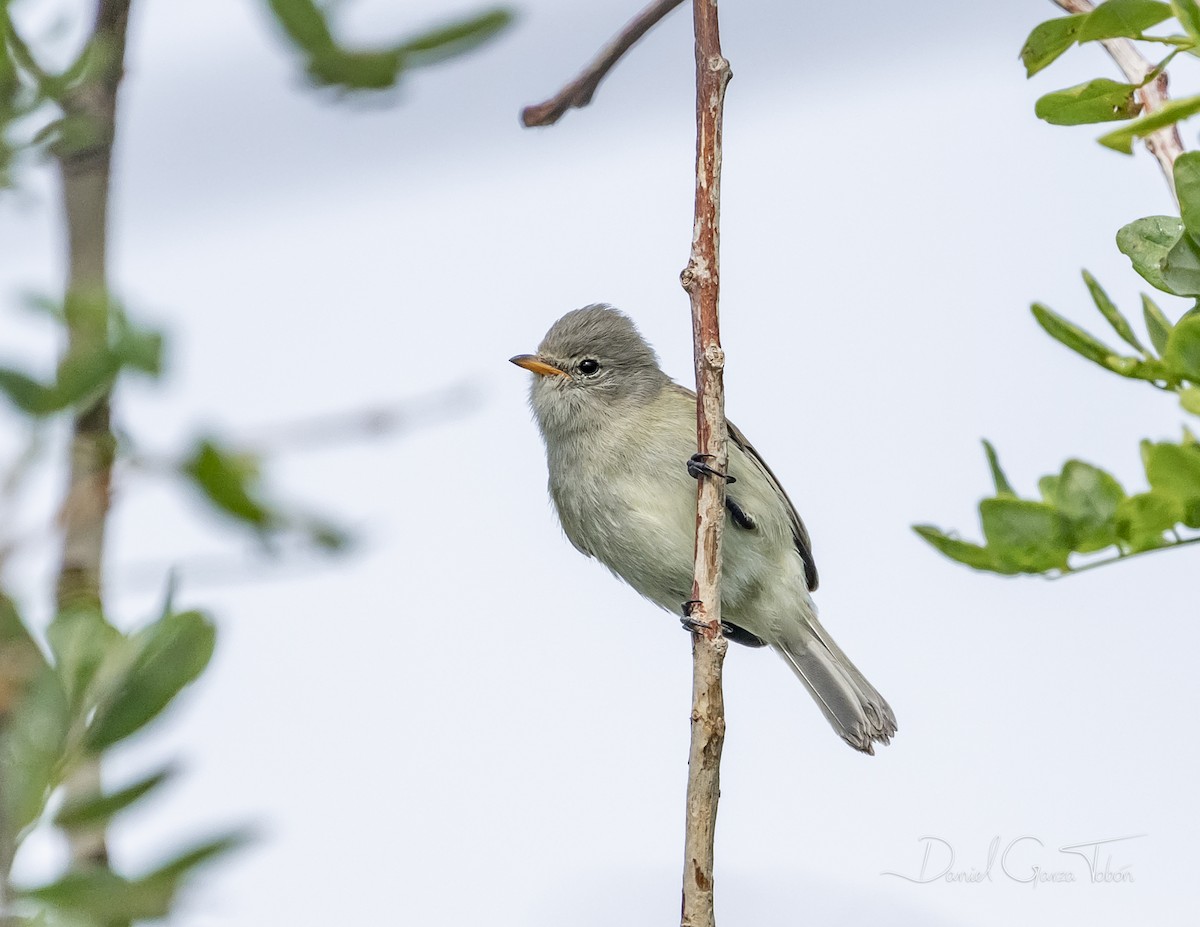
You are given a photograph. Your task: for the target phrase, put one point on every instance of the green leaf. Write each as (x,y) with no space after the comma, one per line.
(1142,520)
(1188,14)
(1174,472)
(83,375)
(31,749)
(22,659)
(356,70)
(228,480)
(304,23)
(1187,189)
(1182,351)
(1173,111)
(1135,369)
(81,640)
(172,652)
(1031,537)
(331,63)
(1189,398)
(139,349)
(1181,267)
(1146,243)
(1073,336)
(999,480)
(1048,487)
(1100,100)
(104,897)
(453,39)
(1048,40)
(27,753)
(1122,19)
(326,535)
(99,809)
(41,304)
(26,393)
(182,864)
(1157,324)
(1089,497)
(980,558)
(1110,312)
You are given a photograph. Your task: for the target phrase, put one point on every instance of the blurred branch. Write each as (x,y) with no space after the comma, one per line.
(701,278)
(325,431)
(85,165)
(317,433)
(218,570)
(364,424)
(578,93)
(1165,144)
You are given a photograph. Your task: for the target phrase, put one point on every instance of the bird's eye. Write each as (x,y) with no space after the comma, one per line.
(588,366)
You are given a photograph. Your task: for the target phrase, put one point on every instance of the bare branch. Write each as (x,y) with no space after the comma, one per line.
(1165,144)
(578,93)
(701,279)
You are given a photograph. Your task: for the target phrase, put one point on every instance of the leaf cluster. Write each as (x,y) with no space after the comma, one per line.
(93,689)
(1083,509)
(92,367)
(1102,99)
(36,111)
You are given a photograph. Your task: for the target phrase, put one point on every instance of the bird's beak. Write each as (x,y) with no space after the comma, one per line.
(532,364)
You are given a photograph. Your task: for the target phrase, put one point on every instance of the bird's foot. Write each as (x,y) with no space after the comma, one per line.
(697,466)
(696,626)
(690,624)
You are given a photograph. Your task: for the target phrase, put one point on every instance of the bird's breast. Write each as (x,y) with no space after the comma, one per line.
(627,500)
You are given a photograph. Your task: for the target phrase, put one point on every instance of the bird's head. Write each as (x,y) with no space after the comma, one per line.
(592,364)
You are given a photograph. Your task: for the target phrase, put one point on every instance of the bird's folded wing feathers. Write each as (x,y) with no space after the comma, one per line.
(799,532)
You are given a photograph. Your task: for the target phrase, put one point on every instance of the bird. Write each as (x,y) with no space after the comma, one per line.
(620,442)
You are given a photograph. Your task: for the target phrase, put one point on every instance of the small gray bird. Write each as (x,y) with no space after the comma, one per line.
(620,444)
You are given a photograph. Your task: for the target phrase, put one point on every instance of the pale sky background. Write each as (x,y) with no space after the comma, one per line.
(465,721)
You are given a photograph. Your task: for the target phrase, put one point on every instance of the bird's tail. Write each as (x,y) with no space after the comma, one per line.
(853,706)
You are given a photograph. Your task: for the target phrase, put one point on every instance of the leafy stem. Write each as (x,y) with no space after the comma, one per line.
(1124,556)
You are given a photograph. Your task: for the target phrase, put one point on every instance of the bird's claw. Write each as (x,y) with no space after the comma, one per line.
(697,466)
(690,624)
(696,626)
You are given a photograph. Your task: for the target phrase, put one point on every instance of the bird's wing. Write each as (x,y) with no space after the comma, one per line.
(799,532)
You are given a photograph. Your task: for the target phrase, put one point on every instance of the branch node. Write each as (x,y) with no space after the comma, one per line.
(714,356)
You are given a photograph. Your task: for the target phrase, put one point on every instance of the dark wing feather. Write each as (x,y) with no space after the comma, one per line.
(799,532)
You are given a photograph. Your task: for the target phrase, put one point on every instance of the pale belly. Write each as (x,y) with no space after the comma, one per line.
(639,520)
(641,529)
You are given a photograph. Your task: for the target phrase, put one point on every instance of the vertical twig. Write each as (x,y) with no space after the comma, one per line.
(84,156)
(701,279)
